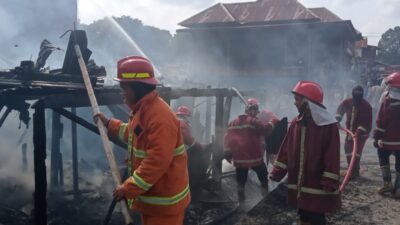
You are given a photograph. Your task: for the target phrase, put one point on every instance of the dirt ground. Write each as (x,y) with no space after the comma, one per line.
(360,202)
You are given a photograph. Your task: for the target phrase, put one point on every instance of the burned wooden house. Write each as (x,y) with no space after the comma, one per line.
(264,40)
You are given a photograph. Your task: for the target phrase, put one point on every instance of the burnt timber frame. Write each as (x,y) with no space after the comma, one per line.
(110,96)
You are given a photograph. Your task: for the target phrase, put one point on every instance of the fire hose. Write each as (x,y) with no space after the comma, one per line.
(352,161)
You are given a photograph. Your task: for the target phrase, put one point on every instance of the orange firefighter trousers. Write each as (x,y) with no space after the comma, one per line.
(163,220)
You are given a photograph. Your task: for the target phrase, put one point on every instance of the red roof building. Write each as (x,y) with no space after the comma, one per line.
(267,38)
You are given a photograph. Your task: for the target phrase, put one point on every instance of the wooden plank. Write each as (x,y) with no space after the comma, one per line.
(75,175)
(39,157)
(86,125)
(55,166)
(219,136)
(106,142)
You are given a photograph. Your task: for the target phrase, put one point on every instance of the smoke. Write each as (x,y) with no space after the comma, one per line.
(22,29)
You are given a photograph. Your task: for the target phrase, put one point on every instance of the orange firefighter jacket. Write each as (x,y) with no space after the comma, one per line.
(157,161)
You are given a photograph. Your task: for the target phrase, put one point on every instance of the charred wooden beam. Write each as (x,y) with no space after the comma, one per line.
(39,144)
(4,116)
(56,162)
(219,135)
(75,180)
(86,124)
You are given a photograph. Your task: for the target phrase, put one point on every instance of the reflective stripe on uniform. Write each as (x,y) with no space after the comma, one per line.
(248,161)
(331,175)
(143,154)
(241,127)
(390,142)
(362,128)
(395,104)
(121,133)
(380,129)
(154,200)
(140,182)
(279,164)
(312,190)
(301,163)
(135,75)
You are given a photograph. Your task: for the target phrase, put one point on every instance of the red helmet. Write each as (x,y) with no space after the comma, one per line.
(136,69)
(310,90)
(183,110)
(393,79)
(252,101)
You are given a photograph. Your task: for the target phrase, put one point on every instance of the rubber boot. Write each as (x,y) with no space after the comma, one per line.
(387,180)
(396,191)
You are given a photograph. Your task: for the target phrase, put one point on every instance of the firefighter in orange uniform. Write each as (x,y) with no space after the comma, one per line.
(387,134)
(158,185)
(243,145)
(310,156)
(359,121)
(183,113)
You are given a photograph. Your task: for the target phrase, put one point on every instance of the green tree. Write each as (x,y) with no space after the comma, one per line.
(389,46)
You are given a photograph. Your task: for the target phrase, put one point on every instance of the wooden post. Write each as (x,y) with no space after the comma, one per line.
(219,135)
(75,181)
(208,120)
(39,157)
(24,158)
(3,118)
(55,150)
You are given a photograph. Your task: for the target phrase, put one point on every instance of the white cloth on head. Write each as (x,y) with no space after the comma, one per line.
(394,93)
(320,115)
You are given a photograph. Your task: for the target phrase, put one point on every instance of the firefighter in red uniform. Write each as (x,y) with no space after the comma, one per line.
(387,134)
(158,183)
(359,121)
(310,156)
(244,146)
(183,113)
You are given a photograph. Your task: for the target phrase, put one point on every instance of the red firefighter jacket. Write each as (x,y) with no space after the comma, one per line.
(358,117)
(243,139)
(310,155)
(188,139)
(157,161)
(388,124)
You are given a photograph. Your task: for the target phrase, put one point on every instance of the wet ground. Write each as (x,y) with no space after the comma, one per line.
(361,203)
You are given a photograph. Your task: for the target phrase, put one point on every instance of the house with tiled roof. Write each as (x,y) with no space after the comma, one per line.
(267,39)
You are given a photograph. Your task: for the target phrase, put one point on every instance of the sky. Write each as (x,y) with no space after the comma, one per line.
(371,17)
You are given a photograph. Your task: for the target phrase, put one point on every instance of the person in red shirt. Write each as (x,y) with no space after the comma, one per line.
(310,156)
(243,142)
(359,121)
(387,134)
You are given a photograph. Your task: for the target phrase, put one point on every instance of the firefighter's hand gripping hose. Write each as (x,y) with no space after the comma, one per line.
(352,161)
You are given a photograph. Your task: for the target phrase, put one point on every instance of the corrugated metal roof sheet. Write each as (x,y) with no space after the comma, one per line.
(261,11)
(325,14)
(215,14)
